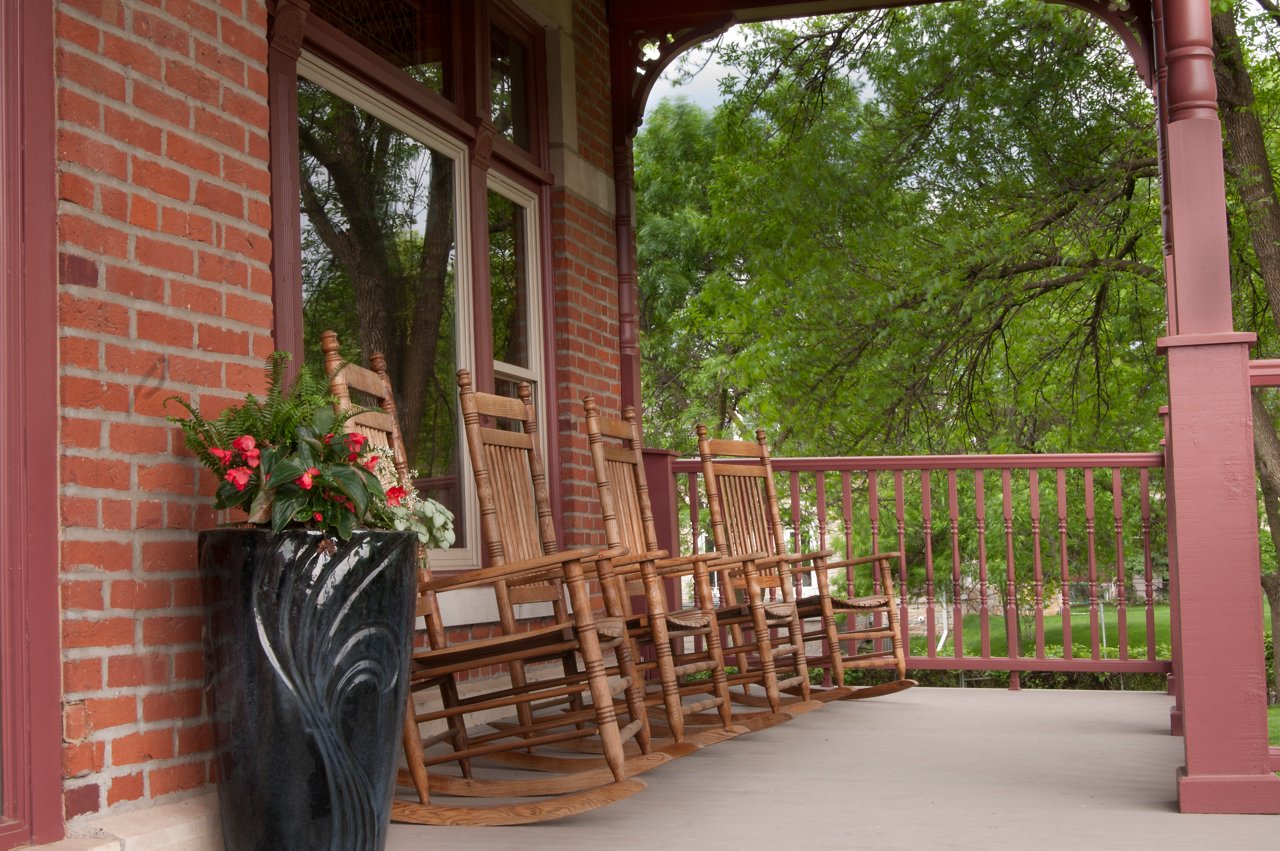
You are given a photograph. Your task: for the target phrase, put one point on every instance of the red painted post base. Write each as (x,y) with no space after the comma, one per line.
(1175,722)
(1229,793)
(1273,757)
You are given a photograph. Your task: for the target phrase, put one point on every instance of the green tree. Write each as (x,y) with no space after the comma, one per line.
(937,229)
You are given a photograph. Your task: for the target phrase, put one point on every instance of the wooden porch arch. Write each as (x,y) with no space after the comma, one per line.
(1220,706)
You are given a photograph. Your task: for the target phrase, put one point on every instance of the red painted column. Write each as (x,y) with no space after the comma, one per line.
(1213,536)
(628,282)
(1175,618)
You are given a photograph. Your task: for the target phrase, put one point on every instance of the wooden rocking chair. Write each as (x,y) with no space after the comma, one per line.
(746,518)
(683,641)
(584,784)
(517,524)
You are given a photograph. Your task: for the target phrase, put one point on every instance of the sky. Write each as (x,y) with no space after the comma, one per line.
(703,89)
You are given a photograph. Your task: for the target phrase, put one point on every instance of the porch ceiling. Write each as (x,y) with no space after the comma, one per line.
(926,768)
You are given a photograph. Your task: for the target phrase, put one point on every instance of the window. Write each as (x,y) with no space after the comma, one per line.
(514,291)
(405,245)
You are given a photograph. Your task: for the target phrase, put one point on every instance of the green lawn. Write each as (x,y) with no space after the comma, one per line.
(1136,622)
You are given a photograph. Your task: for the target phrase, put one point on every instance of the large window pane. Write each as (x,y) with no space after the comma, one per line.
(508,87)
(413,35)
(508,281)
(379,268)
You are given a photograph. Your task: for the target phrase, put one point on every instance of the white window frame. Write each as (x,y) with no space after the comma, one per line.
(385,109)
(535,372)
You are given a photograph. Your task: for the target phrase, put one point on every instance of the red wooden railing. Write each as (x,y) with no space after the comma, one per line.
(1016,547)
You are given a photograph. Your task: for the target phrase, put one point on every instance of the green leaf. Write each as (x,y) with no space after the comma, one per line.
(346,523)
(288,471)
(349,481)
(286,508)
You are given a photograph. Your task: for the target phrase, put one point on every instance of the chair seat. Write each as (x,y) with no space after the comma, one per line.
(773,610)
(533,639)
(611,629)
(874,601)
(688,619)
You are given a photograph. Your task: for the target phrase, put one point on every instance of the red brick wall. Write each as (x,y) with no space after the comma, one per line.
(585,264)
(164,288)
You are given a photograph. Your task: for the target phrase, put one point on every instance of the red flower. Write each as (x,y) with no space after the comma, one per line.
(395,494)
(239,476)
(304,481)
(247,447)
(355,442)
(224,457)
(371,463)
(319,517)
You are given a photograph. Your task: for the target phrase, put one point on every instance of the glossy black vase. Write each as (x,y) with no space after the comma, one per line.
(306,666)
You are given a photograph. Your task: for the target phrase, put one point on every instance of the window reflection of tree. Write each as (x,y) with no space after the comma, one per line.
(508,299)
(378,260)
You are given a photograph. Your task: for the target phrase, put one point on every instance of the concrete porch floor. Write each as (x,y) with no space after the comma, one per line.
(923,769)
(926,768)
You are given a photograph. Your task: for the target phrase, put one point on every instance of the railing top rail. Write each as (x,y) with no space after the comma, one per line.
(953,462)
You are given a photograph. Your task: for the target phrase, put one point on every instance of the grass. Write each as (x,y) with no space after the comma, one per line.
(1136,622)
(1273,724)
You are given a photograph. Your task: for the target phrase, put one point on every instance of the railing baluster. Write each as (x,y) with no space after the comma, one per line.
(1011,633)
(873,517)
(1122,609)
(1091,535)
(820,485)
(793,501)
(695,531)
(957,590)
(1033,489)
(899,508)
(1079,561)
(984,614)
(846,517)
(1144,484)
(926,519)
(1064,567)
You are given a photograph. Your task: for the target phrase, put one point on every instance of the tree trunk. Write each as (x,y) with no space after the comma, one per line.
(1248,165)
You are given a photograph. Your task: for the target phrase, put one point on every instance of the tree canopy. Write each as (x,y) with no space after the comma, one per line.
(929,229)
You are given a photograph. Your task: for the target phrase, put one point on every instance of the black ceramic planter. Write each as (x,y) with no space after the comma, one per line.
(306,661)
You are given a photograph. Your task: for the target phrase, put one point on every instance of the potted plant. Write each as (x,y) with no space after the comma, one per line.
(309,606)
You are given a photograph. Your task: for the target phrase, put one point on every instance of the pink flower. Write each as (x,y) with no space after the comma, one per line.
(328,438)
(251,457)
(224,457)
(304,481)
(371,463)
(395,494)
(239,476)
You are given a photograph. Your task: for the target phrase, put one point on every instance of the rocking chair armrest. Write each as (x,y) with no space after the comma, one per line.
(852,562)
(532,569)
(615,555)
(665,561)
(630,559)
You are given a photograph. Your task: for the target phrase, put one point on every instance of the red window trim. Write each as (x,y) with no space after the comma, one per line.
(30,665)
